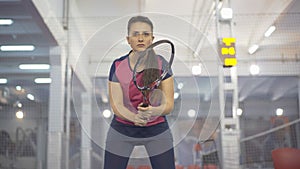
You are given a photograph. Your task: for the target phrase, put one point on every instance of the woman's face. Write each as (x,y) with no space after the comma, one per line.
(140,36)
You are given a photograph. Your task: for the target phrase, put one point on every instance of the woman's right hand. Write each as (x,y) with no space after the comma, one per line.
(141,119)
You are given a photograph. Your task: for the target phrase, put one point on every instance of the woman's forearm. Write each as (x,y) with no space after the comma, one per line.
(161,110)
(123,113)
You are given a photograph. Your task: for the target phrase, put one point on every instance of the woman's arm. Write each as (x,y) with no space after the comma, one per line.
(167,103)
(116,101)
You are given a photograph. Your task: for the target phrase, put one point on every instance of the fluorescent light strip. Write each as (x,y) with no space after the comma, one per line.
(270,31)
(34,66)
(6,21)
(3,80)
(30,96)
(220,4)
(42,80)
(253,49)
(10,48)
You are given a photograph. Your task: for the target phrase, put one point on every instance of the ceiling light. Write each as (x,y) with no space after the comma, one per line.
(30,96)
(20,114)
(42,80)
(191,113)
(104,97)
(226,13)
(254,69)
(6,21)
(34,66)
(196,69)
(19,104)
(10,48)
(279,112)
(176,95)
(19,88)
(253,49)
(239,111)
(106,113)
(3,80)
(270,31)
(180,85)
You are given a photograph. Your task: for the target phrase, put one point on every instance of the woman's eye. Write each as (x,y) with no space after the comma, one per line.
(135,34)
(144,34)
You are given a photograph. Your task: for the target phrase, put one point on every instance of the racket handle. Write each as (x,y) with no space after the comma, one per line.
(145,105)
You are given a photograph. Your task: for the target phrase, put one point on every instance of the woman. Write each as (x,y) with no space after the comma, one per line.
(134,124)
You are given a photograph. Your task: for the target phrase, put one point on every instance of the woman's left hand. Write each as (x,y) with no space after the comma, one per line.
(145,112)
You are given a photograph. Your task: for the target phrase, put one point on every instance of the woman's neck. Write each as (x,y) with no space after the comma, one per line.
(133,57)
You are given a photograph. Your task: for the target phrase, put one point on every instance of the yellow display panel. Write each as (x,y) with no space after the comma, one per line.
(228,52)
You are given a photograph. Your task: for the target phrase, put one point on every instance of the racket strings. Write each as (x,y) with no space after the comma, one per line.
(151,71)
(152,66)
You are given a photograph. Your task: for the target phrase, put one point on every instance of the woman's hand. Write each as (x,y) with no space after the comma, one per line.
(140,120)
(143,116)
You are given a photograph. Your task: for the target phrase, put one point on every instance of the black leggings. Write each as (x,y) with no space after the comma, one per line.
(157,140)
(161,161)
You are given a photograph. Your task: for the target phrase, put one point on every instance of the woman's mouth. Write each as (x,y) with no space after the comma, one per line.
(141,45)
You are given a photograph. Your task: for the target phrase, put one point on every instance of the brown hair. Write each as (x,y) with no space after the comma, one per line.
(139,19)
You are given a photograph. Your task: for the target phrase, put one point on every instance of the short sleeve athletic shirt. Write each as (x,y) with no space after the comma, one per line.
(122,73)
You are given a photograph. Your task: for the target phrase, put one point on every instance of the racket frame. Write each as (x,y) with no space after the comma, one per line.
(156,83)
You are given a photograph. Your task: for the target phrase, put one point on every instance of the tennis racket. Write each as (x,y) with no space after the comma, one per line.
(152,66)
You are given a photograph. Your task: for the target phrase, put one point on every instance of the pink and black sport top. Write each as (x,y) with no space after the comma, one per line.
(122,73)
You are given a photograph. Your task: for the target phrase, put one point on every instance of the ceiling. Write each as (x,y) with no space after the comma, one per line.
(28,28)
(250,21)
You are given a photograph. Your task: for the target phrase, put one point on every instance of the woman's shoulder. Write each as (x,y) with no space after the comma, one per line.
(122,58)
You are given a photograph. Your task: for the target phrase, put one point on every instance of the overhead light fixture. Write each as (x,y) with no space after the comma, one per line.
(19,88)
(180,85)
(254,69)
(253,49)
(6,21)
(3,80)
(270,31)
(226,13)
(42,80)
(19,104)
(106,113)
(104,97)
(176,95)
(34,66)
(30,97)
(13,48)
(191,113)
(197,69)
(19,114)
(279,112)
(239,111)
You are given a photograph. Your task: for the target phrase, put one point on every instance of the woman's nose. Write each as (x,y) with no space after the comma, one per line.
(140,37)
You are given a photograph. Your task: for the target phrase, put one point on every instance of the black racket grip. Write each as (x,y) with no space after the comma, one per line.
(144,105)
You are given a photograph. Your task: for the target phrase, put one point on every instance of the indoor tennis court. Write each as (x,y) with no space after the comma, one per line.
(236,73)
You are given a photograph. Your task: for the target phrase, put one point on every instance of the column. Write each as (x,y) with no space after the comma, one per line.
(56,109)
(228,89)
(86,124)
